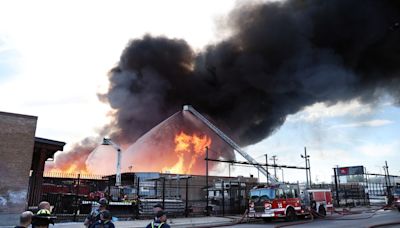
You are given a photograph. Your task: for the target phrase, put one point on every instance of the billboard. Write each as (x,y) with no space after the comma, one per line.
(351,170)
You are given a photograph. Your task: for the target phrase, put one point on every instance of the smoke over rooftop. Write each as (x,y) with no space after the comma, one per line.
(278,58)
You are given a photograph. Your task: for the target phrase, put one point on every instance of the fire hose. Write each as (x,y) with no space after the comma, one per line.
(315,214)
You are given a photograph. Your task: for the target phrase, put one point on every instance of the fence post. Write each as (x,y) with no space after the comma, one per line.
(187,197)
(163,193)
(138,187)
(76,197)
(230,197)
(240,195)
(207,209)
(109,189)
(155,188)
(223,198)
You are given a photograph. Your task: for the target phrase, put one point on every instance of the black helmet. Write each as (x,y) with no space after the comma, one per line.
(103,202)
(43,217)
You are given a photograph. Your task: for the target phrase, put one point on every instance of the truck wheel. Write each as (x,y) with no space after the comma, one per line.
(321,210)
(290,214)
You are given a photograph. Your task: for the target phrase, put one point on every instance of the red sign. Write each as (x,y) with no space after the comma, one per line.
(344,171)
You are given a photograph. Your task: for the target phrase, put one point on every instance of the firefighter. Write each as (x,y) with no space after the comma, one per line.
(136,207)
(105,221)
(42,219)
(94,216)
(160,222)
(156,208)
(25,219)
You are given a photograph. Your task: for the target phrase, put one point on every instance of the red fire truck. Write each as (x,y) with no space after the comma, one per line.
(284,201)
(276,201)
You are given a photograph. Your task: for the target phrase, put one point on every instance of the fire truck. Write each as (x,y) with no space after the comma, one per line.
(276,201)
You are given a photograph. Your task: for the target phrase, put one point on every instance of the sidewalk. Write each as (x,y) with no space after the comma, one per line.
(174,222)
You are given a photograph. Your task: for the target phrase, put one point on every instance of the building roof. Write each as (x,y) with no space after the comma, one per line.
(50,142)
(17,115)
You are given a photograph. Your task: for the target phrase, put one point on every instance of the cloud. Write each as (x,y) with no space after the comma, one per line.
(379,150)
(321,110)
(371,123)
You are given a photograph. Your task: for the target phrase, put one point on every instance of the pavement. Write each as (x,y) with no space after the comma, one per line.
(174,222)
(190,222)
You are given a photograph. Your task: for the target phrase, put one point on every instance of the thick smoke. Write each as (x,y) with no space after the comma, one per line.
(279,58)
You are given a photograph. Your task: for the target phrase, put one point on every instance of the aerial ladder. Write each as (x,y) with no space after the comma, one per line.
(231,143)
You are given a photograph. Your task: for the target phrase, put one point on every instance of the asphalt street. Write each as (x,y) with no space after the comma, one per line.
(358,220)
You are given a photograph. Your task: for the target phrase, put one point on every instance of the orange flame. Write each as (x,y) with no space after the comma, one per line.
(188,149)
(68,169)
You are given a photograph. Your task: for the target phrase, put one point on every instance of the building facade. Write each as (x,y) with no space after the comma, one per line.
(17,134)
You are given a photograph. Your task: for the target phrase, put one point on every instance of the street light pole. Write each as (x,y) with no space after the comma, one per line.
(309,169)
(118,171)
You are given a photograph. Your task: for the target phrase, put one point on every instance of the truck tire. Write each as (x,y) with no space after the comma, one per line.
(290,214)
(321,210)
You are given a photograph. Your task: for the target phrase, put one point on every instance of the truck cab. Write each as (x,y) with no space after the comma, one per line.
(275,201)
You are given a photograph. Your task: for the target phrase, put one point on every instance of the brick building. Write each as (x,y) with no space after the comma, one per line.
(17,134)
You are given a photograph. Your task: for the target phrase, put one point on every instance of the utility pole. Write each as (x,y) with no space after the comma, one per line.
(309,169)
(305,156)
(386,168)
(274,159)
(387,171)
(266,166)
(336,186)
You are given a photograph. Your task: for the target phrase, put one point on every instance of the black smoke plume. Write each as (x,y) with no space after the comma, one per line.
(279,58)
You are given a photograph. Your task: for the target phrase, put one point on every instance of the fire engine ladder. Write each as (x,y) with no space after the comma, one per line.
(231,143)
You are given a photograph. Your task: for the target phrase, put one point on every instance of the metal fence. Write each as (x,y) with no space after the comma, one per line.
(73,196)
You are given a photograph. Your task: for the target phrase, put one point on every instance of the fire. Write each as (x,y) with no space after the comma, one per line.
(188,148)
(67,169)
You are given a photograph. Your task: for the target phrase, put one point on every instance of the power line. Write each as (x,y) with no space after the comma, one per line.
(252,164)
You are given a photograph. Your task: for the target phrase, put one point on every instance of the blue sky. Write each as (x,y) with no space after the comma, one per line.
(54,58)
(9,59)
